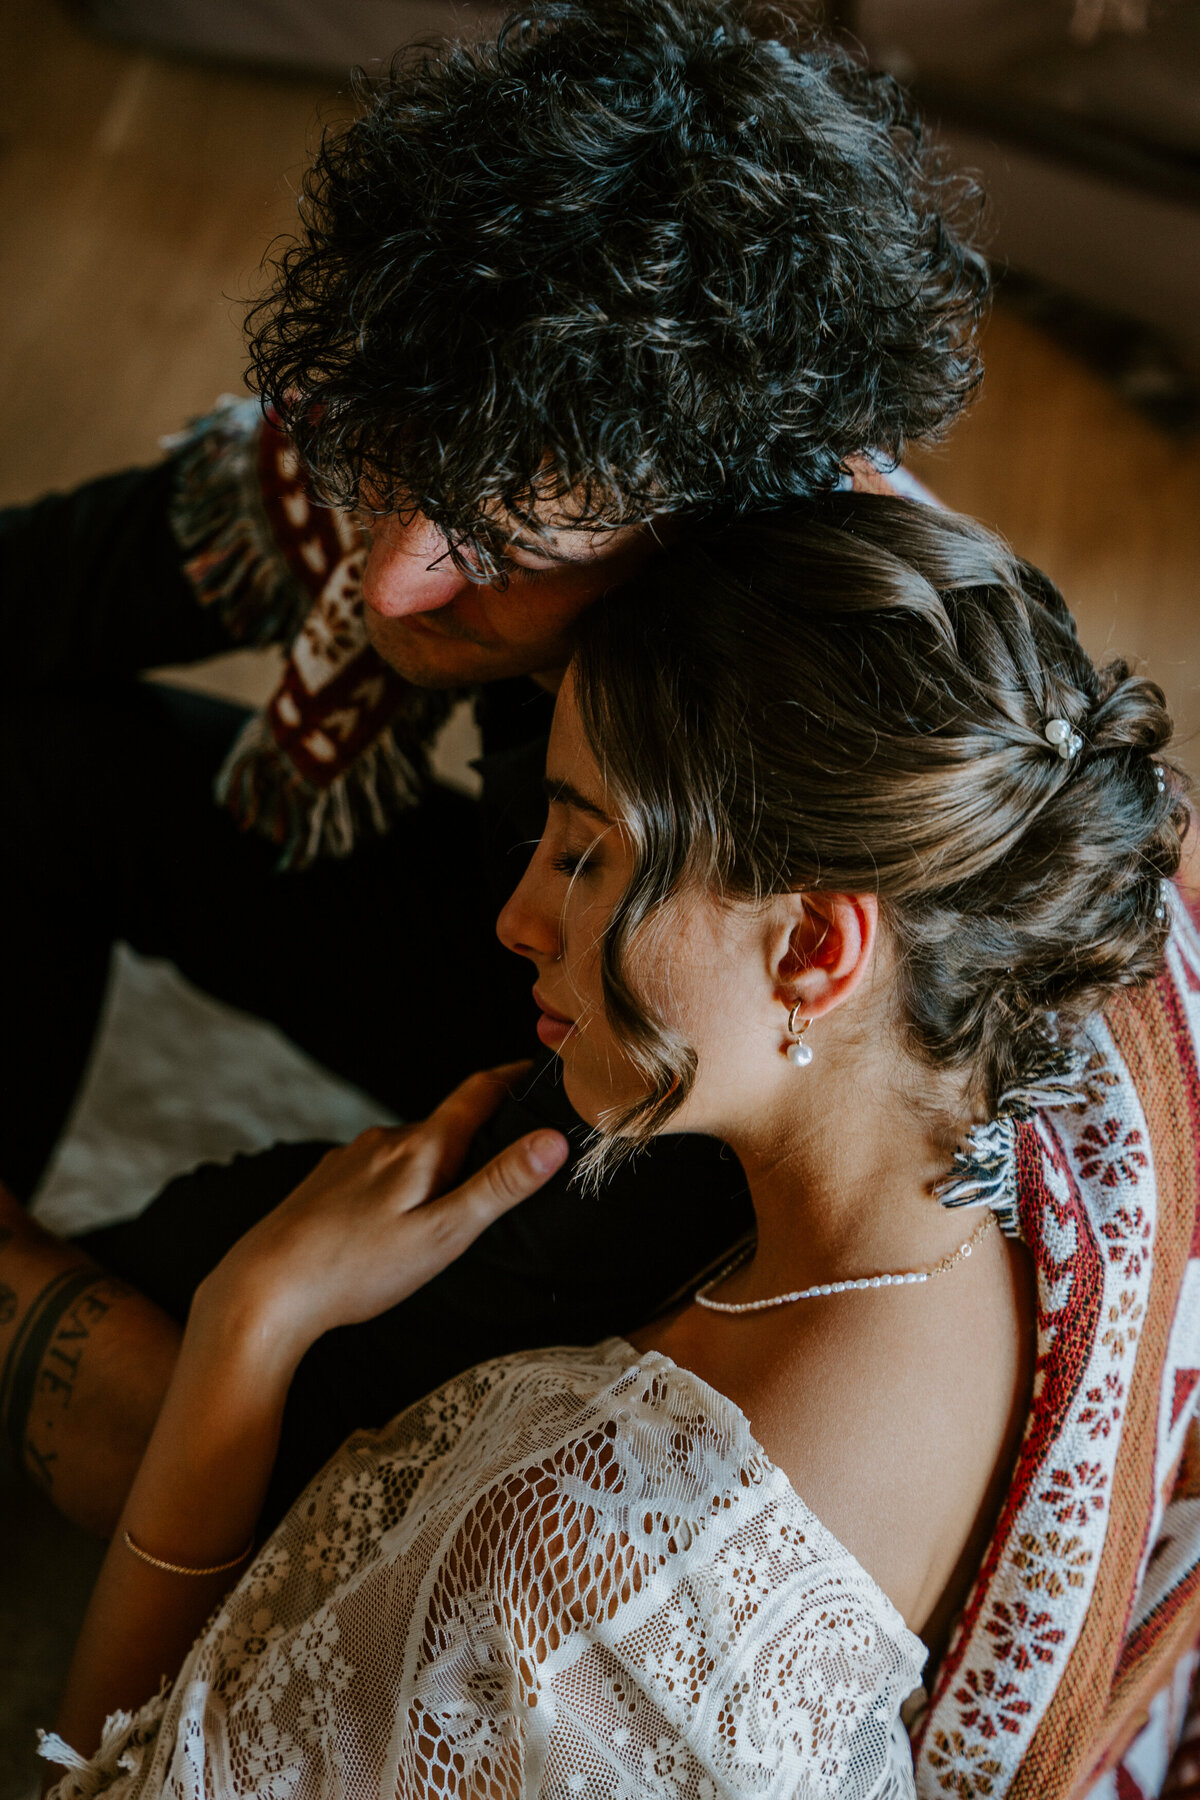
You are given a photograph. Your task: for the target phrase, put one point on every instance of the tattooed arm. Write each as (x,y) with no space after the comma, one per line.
(84,1364)
(359,1235)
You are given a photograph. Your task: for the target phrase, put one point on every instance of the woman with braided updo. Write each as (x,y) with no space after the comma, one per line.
(855,862)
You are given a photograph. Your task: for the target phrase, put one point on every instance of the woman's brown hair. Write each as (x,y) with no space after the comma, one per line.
(853,697)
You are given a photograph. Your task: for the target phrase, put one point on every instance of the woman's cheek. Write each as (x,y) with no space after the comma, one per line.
(584,924)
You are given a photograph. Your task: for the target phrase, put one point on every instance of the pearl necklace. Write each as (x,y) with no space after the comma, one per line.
(836,1287)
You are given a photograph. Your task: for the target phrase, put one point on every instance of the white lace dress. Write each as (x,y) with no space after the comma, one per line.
(566,1573)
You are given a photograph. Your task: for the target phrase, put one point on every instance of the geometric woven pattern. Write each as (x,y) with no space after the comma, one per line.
(1074,1655)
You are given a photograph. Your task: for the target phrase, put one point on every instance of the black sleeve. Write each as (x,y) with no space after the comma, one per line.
(91,585)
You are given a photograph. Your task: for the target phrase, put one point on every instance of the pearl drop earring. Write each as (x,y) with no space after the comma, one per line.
(799,1054)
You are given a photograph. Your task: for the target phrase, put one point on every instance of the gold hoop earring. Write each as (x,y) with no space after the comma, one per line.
(798,1053)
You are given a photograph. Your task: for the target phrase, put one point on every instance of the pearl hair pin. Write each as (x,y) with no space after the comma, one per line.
(909,1279)
(1058,733)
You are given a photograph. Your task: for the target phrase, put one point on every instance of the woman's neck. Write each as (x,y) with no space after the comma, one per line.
(900,1448)
(842,1191)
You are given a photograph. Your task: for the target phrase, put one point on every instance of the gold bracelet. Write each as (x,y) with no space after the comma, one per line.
(156,1562)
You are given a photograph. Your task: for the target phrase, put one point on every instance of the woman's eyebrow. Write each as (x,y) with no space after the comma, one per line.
(566,795)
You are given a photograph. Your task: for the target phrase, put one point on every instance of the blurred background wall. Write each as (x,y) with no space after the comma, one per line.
(1081,118)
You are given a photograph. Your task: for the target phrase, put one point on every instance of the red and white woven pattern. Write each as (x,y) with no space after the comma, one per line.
(1068,1669)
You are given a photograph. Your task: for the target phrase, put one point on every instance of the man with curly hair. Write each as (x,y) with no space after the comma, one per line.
(637,267)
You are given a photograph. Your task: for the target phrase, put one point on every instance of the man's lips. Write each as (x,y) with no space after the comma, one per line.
(440,622)
(432,624)
(415,622)
(554,1028)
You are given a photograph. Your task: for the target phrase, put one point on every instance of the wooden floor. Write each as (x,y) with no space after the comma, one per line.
(138,195)
(1087,489)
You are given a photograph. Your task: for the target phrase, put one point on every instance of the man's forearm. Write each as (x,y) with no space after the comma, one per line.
(84,1364)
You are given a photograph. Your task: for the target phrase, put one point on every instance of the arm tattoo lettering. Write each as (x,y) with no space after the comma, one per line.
(8,1298)
(44,1357)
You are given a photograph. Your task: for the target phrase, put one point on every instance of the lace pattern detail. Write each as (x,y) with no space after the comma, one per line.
(566,1573)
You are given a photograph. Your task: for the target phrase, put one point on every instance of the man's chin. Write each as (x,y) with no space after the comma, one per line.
(423,658)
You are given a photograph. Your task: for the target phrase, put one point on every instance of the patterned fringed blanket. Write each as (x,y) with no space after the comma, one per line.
(1071,1669)
(340,750)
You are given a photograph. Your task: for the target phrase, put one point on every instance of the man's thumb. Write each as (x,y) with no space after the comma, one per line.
(547,1151)
(521,1169)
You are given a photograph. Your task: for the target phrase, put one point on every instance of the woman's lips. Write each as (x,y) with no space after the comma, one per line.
(552,1027)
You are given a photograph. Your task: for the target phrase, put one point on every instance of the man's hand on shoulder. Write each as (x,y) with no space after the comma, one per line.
(372,1224)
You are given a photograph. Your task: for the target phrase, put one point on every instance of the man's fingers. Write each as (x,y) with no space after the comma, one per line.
(452,1125)
(518,1171)
(474,1100)
(509,1073)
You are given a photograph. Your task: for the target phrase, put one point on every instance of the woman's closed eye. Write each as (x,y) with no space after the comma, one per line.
(574,862)
(571,840)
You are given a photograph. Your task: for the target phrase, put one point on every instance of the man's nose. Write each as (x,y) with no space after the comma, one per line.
(409,569)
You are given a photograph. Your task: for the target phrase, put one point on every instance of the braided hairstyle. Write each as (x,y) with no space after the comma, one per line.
(853,697)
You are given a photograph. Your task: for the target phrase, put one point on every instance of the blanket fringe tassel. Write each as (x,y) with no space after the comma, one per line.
(984,1169)
(266,794)
(232,559)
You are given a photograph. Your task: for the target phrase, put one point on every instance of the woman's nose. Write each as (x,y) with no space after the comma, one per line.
(409,569)
(528,922)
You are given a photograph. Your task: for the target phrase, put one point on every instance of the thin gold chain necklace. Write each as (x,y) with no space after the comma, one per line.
(910,1278)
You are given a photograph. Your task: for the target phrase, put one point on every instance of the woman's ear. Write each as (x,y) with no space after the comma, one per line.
(823,948)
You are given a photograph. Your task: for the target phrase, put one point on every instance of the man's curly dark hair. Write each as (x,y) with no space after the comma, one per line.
(639,253)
